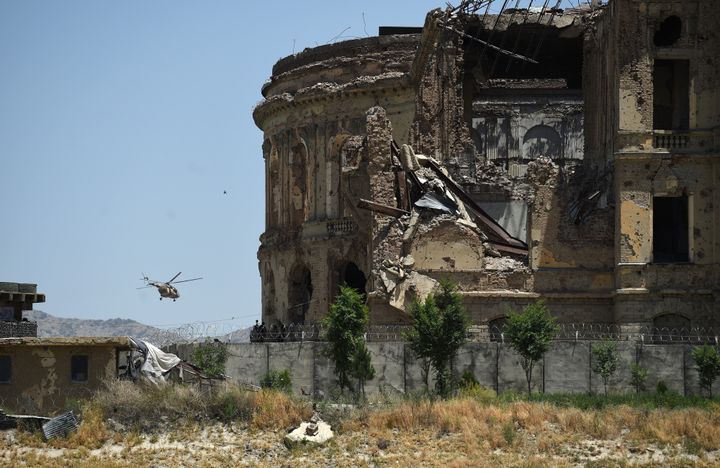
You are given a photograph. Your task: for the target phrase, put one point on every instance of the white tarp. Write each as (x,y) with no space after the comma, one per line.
(158,363)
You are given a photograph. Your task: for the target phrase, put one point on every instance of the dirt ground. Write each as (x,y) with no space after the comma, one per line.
(238,445)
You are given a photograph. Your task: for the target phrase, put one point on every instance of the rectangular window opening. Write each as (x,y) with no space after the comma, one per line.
(671,95)
(79,368)
(5,369)
(670,230)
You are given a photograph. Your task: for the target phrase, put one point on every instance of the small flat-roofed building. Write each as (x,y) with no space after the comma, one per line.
(40,375)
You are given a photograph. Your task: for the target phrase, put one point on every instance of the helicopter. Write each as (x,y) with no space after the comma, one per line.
(166,289)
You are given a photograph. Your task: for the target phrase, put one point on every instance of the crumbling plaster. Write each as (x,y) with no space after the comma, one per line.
(585,162)
(40,380)
(644,169)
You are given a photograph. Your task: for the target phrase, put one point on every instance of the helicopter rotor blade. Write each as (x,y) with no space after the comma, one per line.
(148,281)
(185,281)
(173,278)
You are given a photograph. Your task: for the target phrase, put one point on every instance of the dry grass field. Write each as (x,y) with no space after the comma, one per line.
(181,426)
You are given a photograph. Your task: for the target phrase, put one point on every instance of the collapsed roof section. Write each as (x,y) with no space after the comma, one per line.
(509,42)
(423,184)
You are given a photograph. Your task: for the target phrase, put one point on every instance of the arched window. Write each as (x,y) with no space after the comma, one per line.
(273,188)
(671,322)
(670,327)
(353,276)
(269,292)
(496,328)
(300,291)
(541,140)
(298,183)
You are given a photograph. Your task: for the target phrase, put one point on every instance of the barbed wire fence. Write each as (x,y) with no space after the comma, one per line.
(615,332)
(234,330)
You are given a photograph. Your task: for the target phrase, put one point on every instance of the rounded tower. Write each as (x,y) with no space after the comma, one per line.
(313,117)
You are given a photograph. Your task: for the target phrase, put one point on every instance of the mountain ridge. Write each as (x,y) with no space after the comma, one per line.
(52,326)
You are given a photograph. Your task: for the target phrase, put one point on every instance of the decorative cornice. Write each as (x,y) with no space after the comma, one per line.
(388,84)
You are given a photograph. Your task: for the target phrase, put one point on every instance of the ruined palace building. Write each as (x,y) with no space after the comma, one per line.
(567,155)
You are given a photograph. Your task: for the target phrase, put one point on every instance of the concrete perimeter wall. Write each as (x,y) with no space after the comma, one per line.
(566,368)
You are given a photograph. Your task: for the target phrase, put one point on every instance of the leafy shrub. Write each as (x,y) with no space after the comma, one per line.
(468,380)
(478,392)
(639,376)
(277,380)
(661,388)
(211,358)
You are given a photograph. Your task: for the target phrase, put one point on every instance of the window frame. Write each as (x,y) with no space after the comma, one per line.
(680,94)
(689,220)
(72,368)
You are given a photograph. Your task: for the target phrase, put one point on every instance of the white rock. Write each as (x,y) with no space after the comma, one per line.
(298,435)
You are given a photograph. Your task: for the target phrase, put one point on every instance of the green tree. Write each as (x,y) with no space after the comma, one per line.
(530,334)
(425,317)
(345,323)
(606,360)
(211,358)
(707,363)
(439,329)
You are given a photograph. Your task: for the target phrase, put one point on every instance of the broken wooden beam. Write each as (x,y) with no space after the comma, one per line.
(380,208)
(484,218)
(402,190)
(509,248)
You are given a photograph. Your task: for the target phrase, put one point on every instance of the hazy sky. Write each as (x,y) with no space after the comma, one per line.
(121,125)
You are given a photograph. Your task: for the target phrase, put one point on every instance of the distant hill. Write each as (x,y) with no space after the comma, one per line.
(241,335)
(50,325)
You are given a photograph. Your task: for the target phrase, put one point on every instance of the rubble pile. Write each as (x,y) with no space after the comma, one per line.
(433,205)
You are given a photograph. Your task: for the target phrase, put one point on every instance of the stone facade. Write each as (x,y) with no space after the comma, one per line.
(589,179)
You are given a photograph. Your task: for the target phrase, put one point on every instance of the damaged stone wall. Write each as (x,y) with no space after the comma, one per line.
(517,146)
(652,162)
(440,129)
(41,379)
(317,168)
(566,368)
(512,130)
(398,161)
